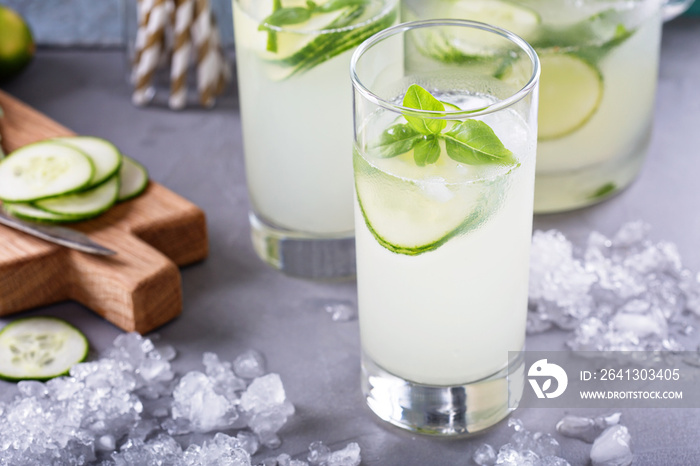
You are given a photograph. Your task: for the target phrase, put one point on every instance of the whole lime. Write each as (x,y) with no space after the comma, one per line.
(16,43)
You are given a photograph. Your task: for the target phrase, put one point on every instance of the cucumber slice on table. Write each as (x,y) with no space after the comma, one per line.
(43,169)
(570,92)
(85,204)
(104,155)
(40,348)
(134,179)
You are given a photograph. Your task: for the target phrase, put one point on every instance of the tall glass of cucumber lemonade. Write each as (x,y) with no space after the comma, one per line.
(292,61)
(444,165)
(599,71)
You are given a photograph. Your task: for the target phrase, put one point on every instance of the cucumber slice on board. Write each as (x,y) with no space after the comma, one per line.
(570,92)
(40,348)
(27,211)
(43,169)
(134,179)
(85,204)
(104,155)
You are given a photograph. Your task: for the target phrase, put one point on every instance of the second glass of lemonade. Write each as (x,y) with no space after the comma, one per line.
(292,59)
(444,165)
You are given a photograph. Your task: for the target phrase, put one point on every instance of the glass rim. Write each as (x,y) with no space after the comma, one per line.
(446,114)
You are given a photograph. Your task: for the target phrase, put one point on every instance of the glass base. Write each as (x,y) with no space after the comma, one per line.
(443,410)
(303,254)
(569,190)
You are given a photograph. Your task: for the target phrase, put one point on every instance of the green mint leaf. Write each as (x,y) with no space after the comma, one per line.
(427,151)
(620,35)
(285,17)
(420,99)
(396,140)
(272,35)
(272,41)
(334,5)
(603,191)
(621,31)
(473,142)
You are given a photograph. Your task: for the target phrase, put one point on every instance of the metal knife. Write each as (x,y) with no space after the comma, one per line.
(55,234)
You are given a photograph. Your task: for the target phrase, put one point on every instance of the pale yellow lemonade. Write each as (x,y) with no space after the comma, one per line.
(297,110)
(442,253)
(599,73)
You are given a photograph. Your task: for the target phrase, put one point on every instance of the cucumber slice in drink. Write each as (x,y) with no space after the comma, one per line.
(450,108)
(40,348)
(134,179)
(299,51)
(598,33)
(412,217)
(570,92)
(297,36)
(466,44)
(43,169)
(514,17)
(85,204)
(104,155)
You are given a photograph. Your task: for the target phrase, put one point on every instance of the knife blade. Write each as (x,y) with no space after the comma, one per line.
(59,235)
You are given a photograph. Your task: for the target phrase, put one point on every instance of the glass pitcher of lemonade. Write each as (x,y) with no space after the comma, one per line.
(599,72)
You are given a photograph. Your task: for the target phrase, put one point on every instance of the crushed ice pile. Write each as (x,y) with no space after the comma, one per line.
(586,428)
(524,449)
(611,440)
(340,311)
(620,293)
(129,408)
(611,444)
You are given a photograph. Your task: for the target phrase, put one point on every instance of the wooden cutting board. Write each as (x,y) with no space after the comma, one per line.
(138,289)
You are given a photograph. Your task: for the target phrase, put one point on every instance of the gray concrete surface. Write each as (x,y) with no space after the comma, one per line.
(233,302)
